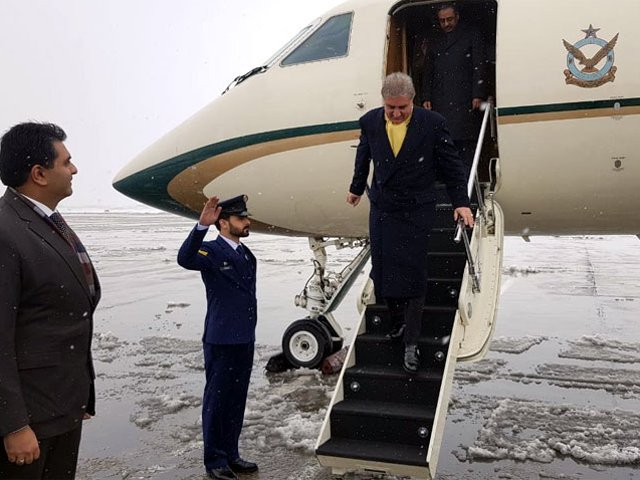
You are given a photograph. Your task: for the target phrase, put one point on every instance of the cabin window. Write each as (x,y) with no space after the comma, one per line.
(331,40)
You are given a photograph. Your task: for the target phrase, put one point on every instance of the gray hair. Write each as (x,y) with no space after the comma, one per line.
(398,84)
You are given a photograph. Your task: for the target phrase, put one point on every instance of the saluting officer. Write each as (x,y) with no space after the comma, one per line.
(228,271)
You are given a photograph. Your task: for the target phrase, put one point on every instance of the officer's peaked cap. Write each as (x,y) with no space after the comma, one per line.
(235,206)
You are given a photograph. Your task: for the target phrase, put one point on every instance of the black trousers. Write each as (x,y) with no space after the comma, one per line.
(58,459)
(407,311)
(228,371)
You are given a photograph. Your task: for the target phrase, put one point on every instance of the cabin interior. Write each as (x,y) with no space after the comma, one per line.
(414,24)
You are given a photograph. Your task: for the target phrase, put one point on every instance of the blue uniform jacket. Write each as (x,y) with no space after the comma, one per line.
(230,282)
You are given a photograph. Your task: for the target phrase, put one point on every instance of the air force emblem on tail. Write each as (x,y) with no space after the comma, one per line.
(581,70)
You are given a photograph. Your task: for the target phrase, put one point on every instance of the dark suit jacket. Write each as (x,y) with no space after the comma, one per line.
(402,196)
(455,74)
(230,282)
(46,325)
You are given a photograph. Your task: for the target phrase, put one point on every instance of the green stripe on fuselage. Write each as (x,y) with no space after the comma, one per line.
(149,186)
(568,107)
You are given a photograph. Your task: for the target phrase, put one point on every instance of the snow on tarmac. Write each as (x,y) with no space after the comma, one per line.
(557,396)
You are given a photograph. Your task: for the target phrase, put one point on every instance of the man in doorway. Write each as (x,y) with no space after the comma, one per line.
(455,80)
(49,291)
(228,270)
(405,145)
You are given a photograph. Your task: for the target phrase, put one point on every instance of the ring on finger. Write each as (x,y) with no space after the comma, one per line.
(20,461)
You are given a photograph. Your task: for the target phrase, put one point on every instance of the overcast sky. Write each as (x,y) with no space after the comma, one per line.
(118,74)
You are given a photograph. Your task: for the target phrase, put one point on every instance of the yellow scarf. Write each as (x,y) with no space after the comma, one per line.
(397,133)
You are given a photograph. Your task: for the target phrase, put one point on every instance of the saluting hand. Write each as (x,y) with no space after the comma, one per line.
(466,214)
(210,212)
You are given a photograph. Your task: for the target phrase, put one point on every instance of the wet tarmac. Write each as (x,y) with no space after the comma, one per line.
(557,397)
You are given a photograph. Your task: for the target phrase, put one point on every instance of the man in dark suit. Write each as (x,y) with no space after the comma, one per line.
(406,145)
(228,271)
(455,81)
(48,293)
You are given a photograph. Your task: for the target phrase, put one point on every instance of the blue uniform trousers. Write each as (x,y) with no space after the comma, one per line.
(228,371)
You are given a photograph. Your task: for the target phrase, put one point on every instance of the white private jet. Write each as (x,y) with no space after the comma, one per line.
(558,154)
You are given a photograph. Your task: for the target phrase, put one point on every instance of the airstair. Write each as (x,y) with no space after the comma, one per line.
(382,419)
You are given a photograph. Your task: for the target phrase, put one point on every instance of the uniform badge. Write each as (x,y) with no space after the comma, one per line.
(585,74)
(203,252)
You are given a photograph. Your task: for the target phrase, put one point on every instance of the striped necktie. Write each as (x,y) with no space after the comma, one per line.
(59,222)
(77,246)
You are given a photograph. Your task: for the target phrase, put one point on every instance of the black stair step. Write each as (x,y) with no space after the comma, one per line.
(443,291)
(377,349)
(392,384)
(437,320)
(385,452)
(445,201)
(444,216)
(400,411)
(445,243)
(395,372)
(446,264)
(378,340)
(382,421)
(444,213)
(441,239)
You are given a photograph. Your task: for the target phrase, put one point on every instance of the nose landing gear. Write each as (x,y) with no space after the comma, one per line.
(307,342)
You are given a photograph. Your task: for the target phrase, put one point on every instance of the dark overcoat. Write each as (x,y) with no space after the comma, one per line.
(455,74)
(402,196)
(46,325)
(230,282)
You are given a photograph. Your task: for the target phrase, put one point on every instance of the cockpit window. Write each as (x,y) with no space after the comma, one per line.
(291,43)
(329,41)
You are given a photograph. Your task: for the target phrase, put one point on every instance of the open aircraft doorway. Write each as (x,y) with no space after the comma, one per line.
(413,29)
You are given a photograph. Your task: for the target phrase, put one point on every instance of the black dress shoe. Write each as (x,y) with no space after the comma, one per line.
(242,466)
(222,474)
(396,332)
(411,358)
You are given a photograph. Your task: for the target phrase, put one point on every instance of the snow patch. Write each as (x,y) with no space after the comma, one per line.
(597,347)
(515,344)
(532,430)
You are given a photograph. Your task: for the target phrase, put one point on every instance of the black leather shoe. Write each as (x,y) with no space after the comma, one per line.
(242,466)
(396,332)
(411,358)
(222,474)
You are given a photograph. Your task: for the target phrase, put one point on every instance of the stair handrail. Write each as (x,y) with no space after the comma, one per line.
(472,183)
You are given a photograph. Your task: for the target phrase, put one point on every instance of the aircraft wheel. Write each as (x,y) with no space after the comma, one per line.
(306,343)
(335,344)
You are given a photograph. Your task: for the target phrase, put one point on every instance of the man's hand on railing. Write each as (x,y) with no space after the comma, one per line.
(465,214)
